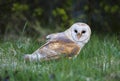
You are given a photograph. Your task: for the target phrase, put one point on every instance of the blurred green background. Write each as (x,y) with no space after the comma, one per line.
(41,17)
(25,23)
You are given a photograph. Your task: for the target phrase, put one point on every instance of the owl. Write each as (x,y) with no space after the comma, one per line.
(67,44)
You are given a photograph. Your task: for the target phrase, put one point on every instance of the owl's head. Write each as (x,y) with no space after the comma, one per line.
(79,32)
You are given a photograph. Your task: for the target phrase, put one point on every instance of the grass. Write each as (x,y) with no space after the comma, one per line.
(99,60)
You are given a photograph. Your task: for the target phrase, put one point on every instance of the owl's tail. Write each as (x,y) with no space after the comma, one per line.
(36,56)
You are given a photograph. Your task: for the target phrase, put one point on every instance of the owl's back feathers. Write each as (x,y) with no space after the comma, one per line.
(55,48)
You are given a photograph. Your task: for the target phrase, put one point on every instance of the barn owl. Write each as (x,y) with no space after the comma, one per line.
(67,43)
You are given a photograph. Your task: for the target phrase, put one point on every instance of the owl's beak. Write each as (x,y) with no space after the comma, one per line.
(79,35)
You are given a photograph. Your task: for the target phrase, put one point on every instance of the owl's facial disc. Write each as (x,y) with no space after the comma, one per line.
(80,32)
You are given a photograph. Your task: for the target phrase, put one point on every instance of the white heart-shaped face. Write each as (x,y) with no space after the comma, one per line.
(80,32)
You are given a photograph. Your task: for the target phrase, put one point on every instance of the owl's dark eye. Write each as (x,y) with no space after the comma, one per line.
(75,31)
(83,31)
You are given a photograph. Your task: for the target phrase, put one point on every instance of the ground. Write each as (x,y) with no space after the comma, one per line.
(99,60)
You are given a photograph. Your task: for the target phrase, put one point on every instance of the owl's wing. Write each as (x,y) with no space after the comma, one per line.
(58,46)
